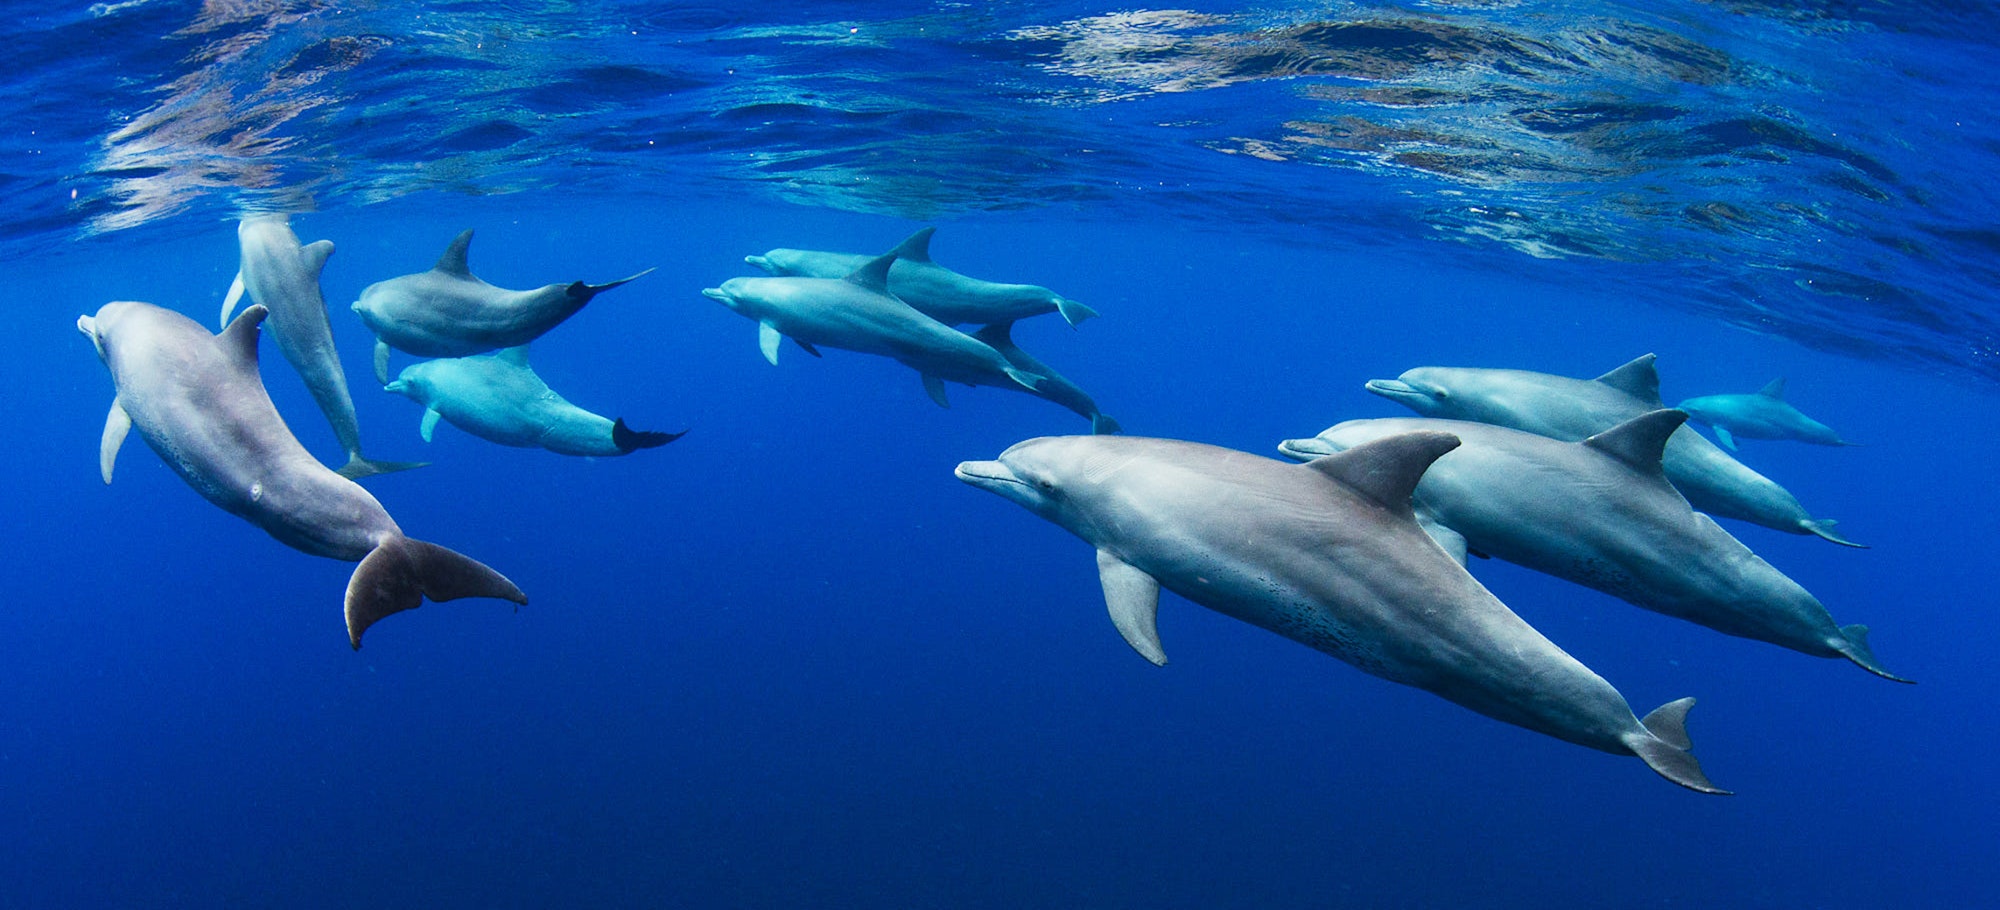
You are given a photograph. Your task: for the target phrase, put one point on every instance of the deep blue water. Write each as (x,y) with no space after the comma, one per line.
(788,660)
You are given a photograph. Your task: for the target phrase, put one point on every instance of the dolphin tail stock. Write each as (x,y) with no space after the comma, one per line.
(1666,748)
(1823,527)
(1072,312)
(1854,647)
(1103,425)
(400,572)
(587,291)
(359,466)
(629,440)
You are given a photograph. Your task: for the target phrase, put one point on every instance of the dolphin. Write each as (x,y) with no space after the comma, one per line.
(448,312)
(198,401)
(1053,385)
(499,398)
(935,291)
(1601,513)
(1571,409)
(857,313)
(283,275)
(1328,554)
(1764,415)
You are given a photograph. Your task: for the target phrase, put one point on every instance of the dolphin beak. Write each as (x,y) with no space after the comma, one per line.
(717,294)
(1306,449)
(762,263)
(398,387)
(87,326)
(988,475)
(1398,390)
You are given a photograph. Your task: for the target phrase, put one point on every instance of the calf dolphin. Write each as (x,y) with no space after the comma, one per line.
(498,397)
(1571,409)
(1764,415)
(199,402)
(1600,513)
(449,312)
(283,275)
(934,290)
(1329,555)
(1053,385)
(857,313)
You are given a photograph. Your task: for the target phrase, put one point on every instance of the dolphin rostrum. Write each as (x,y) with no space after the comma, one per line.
(1571,409)
(1600,513)
(935,291)
(198,401)
(283,275)
(449,312)
(1763,415)
(498,397)
(857,313)
(1329,555)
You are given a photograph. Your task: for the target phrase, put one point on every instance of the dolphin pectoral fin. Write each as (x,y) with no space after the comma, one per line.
(1854,646)
(358,466)
(399,573)
(430,424)
(230,300)
(934,387)
(767,341)
(1073,312)
(1722,436)
(808,348)
(381,361)
(1452,541)
(1823,528)
(1133,597)
(1032,381)
(116,425)
(1665,747)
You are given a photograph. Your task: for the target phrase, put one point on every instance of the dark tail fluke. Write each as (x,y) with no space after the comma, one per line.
(1823,527)
(630,440)
(399,573)
(1857,650)
(587,291)
(358,467)
(1668,750)
(1103,425)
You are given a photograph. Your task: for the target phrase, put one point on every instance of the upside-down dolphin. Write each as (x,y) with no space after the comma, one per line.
(283,275)
(1762,415)
(449,312)
(1329,555)
(935,291)
(498,397)
(1600,513)
(857,313)
(1571,409)
(199,402)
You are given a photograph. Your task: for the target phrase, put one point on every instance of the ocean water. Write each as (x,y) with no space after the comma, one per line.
(788,660)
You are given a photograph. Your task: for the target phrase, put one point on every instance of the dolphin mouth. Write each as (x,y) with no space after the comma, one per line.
(1399,390)
(762,263)
(716,294)
(1306,449)
(989,475)
(398,386)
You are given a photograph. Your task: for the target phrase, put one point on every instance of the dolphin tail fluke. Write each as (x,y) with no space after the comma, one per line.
(1823,527)
(1103,425)
(399,573)
(1856,649)
(629,440)
(587,291)
(359,466)
(1668,750)
(1073,312)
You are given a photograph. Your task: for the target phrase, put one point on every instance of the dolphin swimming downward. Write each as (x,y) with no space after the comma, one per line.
(1328,554)
(198,401)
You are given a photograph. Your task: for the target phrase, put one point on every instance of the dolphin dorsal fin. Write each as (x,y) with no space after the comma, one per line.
(1642,441)
(316,254)
(875,275)
(453,260)
(239,340)
(1774,389)
(1639,379)
(516,355)
(1386,470)
(917,246)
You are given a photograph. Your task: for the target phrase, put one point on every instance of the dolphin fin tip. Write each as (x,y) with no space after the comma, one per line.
(1666,748)
(358,466)
(1856,640)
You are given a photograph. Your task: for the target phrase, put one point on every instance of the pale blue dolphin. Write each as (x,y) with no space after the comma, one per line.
(1763,415)
(499,398)
(934,290)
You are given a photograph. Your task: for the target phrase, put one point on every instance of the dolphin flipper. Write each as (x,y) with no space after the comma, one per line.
(399,573)
(430,424)
(808,347)
(768,338)
(1856,649)
(934,387)
(116,425)
(1073,312)
(359,466)
(230,300)
(1723,436)
(1666,748)
(1823,527)
(1031,380)
(381,361)
(1133,597)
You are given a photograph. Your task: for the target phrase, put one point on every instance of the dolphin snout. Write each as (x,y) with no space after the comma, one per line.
(718,294)
(762,263)
(1307,449)
(985,473)
(1404,390)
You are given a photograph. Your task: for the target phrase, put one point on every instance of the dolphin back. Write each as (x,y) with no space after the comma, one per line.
(400,572)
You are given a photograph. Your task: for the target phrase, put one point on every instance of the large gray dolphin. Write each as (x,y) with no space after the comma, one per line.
(1570,409)
(1329,555)
(283,275)
(449,312)
(1601,513)
(498,397)
(934,290)
(857,313)
(1763,415)
(199,402)
(1053,385)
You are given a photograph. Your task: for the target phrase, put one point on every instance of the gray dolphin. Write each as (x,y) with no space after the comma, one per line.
(857,313)
(1570,409)
(499,398)
(199,402)
(1329,555)
(1764,415)
(449,312)
(1601,513)
(283,275)
(1053,385)
(934,290)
